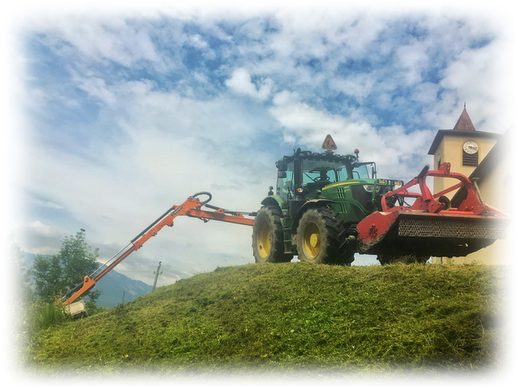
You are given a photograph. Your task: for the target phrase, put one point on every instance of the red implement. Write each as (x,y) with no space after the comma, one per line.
(430,226)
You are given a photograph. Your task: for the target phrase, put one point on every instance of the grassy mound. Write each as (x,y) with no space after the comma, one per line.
(293,316)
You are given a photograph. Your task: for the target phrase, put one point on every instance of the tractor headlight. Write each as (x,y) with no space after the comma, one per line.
(397,184)
(370,188)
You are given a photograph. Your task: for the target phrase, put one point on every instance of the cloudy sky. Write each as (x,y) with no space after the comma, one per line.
(126,112)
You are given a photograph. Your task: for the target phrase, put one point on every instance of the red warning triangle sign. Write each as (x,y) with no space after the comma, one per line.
(329,143)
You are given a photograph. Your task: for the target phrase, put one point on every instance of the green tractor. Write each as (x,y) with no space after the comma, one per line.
(319,199)
(327,207)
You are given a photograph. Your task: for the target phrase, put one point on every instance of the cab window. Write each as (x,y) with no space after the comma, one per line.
(315,171)
(285,182)
(364,170)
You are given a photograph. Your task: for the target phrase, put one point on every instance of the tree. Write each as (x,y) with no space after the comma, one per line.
(48,281)
(22,274)
(55,275)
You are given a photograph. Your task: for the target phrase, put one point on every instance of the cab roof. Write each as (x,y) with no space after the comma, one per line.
(326,156)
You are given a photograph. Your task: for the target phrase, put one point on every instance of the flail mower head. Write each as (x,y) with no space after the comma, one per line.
(430,226)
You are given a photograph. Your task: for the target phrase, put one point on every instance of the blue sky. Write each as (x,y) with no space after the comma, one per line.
(127,112)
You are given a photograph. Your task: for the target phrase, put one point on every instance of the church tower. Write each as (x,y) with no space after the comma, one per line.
(463,146)
(477,154)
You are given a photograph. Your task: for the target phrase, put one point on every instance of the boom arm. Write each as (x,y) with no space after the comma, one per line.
(191,207)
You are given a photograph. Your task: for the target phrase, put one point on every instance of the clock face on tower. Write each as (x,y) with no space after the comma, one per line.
(470,147)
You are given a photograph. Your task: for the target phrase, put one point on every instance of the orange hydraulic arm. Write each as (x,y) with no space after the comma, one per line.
(191,207)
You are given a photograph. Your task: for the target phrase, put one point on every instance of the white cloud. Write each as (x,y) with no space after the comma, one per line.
(308,125)
(316,33)
(425,93)
(96,87)
(39,238)
(485,87)
(113,40)
(413,59)
(356,85)
(197,41)
(241,83)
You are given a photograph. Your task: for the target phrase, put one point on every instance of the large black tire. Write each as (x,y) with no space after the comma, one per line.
(321,238)
(267,236)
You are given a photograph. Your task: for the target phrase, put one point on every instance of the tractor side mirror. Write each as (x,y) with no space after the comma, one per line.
(281,165)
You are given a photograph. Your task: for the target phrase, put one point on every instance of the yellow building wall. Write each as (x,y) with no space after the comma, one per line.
(493,191)
(451,150)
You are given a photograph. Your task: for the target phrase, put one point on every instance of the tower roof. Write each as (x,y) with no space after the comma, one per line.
(464,123)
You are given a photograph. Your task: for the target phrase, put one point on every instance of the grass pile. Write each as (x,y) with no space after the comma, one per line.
(292,316)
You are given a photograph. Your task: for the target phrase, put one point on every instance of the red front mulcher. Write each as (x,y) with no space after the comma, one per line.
(430,226)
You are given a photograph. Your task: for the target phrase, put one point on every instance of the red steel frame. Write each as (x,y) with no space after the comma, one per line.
(437,203)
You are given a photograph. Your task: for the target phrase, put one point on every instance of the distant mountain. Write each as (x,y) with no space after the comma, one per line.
(115,287)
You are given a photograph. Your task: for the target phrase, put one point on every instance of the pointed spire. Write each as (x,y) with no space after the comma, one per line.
(464,123)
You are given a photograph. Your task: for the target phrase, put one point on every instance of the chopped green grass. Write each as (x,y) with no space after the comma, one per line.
(292,316)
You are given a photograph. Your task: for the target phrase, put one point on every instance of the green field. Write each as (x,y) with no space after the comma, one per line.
(292,317)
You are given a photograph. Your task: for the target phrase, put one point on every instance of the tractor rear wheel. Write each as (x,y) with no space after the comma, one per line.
(267,236)
(321,238)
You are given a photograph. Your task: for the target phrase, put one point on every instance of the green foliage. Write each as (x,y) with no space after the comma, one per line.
(42,315)
(77,259)
(54,275)
(23,289)
(293,316)
(48,277)
(34,318)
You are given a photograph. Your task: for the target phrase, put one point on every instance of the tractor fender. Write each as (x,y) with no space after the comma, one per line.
(274,201)
(316,203)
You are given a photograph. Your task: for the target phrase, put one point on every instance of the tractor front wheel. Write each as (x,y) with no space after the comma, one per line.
(267,236)
(321,238)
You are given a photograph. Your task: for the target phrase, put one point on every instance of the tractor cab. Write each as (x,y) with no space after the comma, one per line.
(305,173)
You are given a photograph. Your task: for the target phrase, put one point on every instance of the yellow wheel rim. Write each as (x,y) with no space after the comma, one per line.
(264,240)
(311,241)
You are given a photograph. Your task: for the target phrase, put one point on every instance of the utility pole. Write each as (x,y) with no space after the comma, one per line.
(156,277)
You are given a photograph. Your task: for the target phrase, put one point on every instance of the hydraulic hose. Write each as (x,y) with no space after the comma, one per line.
(209,197)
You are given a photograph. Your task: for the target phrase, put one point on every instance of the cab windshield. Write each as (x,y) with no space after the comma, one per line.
(323,171)
(362,170)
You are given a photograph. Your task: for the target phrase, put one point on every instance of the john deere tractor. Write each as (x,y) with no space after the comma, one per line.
(319,199)
(327,207)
